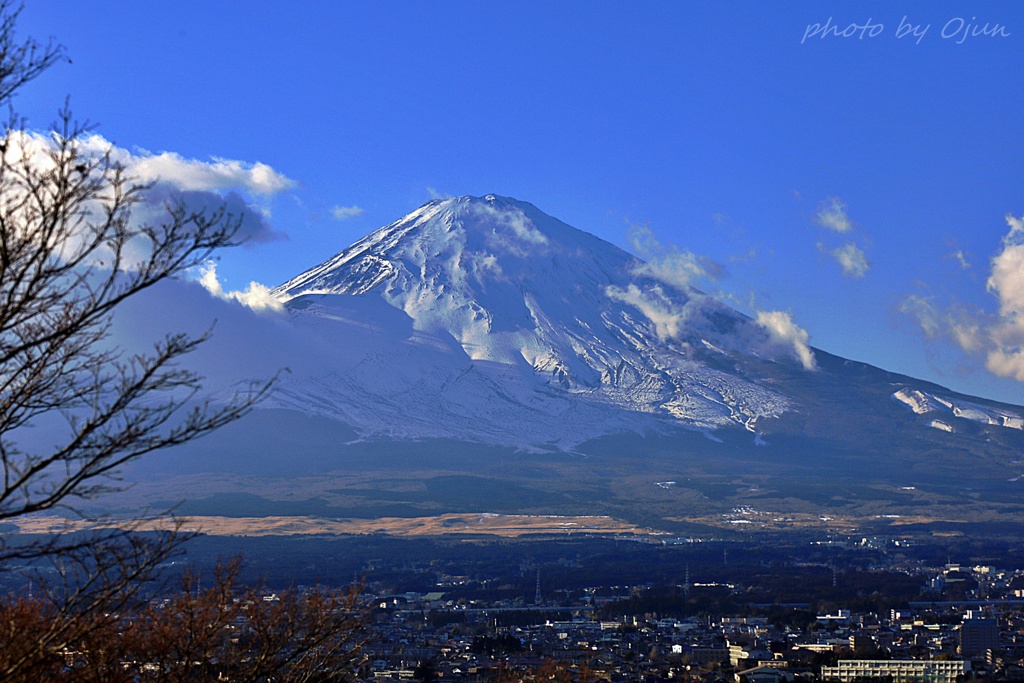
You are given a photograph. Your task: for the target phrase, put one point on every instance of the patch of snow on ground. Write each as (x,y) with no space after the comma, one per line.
(915,400)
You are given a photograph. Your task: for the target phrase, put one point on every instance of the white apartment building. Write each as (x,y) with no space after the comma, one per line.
(898,670)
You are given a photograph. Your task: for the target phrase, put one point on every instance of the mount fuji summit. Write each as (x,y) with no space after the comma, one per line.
(479,340)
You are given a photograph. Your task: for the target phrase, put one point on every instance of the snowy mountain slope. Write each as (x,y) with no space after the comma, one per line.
(521,330)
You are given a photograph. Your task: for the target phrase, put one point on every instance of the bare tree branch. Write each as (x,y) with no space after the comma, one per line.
(21,62)
(75,407)
(65,238)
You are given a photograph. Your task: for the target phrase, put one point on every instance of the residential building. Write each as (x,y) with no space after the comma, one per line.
(895,670)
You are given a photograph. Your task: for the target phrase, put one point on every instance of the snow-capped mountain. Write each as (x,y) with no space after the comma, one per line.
(485,319)
(519,329)
(478,344)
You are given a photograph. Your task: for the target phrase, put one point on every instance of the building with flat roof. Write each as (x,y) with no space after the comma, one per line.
(895,670)
(977,636)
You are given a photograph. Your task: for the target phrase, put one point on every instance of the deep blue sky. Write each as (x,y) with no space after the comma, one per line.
(711,123)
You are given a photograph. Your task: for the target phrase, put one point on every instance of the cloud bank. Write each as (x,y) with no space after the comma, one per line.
(170,180)
(207,186)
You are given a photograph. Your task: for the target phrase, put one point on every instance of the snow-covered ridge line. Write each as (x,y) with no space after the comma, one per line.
(923,403)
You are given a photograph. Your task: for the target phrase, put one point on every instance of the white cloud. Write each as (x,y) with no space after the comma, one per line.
(512,232)
(1006,282)
(1007,278)
(967,333)
(192,174)
(772,332)
(998,339)
(850,257)
(670,264)
(927,316)
(852,260)
(964,327)
(256,296)
(343,213)
(1005,363)
(187,174)
(783,332)
(832,215)
(667,318)
(961,258)
(207,186)
(484,266)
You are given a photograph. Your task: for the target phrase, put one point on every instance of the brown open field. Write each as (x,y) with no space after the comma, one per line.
(448,524)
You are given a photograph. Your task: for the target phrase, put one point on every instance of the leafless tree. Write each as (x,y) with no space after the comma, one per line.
(74,407)
(70,255)
(98,582)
